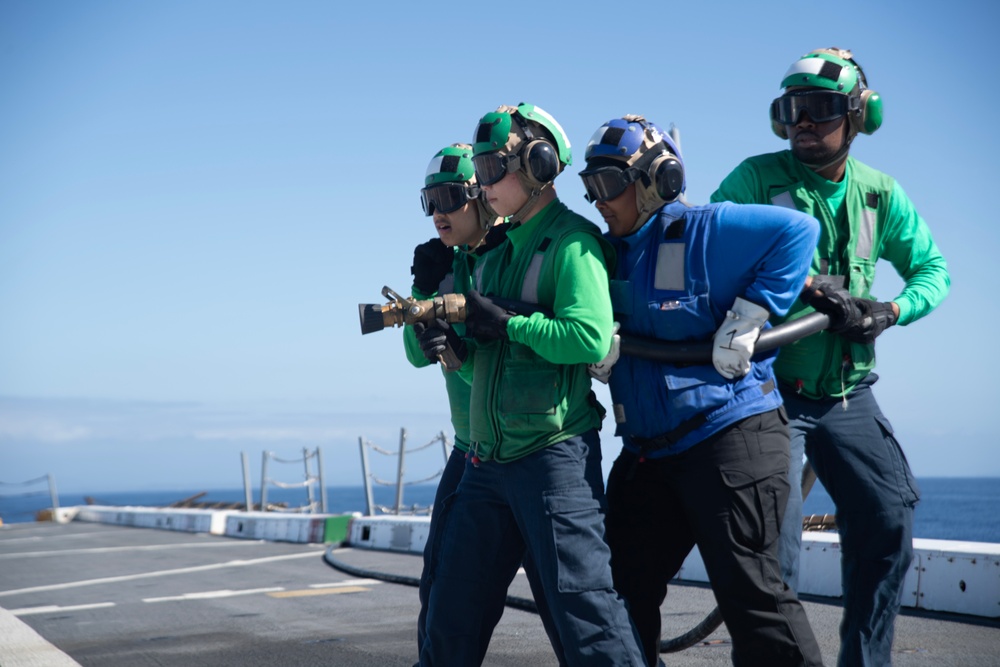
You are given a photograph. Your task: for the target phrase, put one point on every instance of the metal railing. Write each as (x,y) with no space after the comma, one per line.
(312,461)
(51,482)
(370,478)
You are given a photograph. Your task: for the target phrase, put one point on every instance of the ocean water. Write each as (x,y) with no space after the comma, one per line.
(951,508)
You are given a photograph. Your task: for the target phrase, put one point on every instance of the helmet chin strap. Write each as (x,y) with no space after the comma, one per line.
(533,194)
(647,202)
(487,218)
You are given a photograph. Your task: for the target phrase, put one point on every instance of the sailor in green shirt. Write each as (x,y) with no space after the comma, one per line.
(534,481)
(466,230)
(442,265)
(826,378)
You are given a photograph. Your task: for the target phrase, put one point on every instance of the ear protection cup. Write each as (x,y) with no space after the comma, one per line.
(667,175)
(870,117)
(871,112)
(540,162)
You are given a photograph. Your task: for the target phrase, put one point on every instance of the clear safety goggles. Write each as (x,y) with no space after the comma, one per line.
(491,167)
(446,197)
(607,182)
(821,105)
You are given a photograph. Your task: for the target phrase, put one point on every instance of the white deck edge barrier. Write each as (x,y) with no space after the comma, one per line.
(946,576)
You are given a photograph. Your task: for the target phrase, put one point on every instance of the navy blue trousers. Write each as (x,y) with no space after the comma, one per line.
(447,485)
(551,504)
(863,468)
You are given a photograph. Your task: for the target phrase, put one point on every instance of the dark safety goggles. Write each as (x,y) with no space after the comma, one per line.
(446,197)
(491,167)
(606,183)
(821,105)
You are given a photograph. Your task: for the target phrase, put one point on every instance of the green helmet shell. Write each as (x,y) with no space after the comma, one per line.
(451,165)
(491,132)
(820,69)
(495,128)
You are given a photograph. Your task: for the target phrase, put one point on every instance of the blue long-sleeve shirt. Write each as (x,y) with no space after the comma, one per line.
(674,281)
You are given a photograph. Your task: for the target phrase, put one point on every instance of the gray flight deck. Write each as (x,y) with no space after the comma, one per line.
(111,596)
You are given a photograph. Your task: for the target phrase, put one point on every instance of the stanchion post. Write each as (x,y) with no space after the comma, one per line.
(247,490)
(263,482)
(53,493)
(306,455)
(369,503)
(401,470)
(322,483)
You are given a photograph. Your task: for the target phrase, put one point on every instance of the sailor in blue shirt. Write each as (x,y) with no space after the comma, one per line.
(705,447)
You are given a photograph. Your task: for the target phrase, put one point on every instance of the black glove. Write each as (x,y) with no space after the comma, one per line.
(494,237)
(876,317)
(436,339)
(431,263)
(856,319)
(836,302)
(485,320)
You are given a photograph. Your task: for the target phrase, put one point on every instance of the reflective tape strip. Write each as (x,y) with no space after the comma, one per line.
(529,288)
(784,200)
(863,249)
(669,273)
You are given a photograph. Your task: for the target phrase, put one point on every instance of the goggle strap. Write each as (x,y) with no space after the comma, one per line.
(523,124)
(512,163)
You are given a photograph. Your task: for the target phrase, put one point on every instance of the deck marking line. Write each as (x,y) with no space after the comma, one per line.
(210,595)
(28,611)
(161,573)
(48,535)
(148,547)
(349,582)
(320,591)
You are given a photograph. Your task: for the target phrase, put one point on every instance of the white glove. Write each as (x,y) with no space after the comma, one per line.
(733,344)
(602,371)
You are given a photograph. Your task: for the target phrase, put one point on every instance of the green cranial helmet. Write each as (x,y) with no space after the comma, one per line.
(450,182)
(451,165)
(505,129)
(524,140)
(832,69)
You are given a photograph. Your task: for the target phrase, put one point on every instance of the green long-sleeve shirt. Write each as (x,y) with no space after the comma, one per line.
(533,390)
(457,386)
(863,218)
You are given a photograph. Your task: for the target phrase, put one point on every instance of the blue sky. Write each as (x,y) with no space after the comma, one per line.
(195,196)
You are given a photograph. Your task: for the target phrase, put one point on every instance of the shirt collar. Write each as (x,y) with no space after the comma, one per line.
(521,233)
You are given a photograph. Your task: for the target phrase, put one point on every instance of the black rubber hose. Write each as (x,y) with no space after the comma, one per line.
(686,640)
(690,353)
(523,604)
(694,635)
(701,351)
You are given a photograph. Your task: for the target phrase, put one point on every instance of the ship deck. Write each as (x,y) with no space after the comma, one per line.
(113,596)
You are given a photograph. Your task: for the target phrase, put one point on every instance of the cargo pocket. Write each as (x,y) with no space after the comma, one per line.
(909,492)
(533,391)
(439,540)
(529,384)
(756,508)
(583,558)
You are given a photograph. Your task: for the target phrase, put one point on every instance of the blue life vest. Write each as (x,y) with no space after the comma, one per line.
(661,289)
